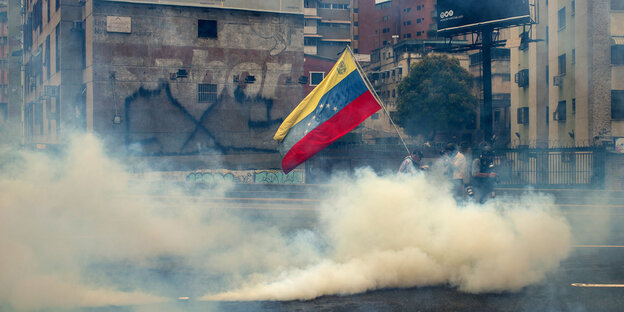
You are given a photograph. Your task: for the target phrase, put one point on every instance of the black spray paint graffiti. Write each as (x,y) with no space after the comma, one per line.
(218,142)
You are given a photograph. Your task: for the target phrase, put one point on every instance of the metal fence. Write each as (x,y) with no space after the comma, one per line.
(562,167)
(542,168)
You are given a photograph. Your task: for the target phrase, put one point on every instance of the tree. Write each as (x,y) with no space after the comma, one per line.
(436,97)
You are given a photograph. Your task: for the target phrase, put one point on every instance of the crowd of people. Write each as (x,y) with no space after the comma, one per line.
(476,182)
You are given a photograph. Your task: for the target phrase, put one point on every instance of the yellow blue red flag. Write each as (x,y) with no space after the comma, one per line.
(337,105)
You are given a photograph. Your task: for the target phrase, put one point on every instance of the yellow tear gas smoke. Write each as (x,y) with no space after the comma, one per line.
(404,231)
(62,215)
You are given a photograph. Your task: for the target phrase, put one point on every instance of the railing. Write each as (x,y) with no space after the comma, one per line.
(541,168)
(563,167)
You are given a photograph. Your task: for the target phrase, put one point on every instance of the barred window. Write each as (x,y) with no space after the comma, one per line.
(207,93)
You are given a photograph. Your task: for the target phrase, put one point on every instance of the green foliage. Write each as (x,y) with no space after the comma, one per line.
(436,96)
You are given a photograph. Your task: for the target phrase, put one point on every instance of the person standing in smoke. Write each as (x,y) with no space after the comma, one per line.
(412,163)
(483,175)
(456,162)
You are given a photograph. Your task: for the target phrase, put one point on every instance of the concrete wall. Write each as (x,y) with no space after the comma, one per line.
(138,102)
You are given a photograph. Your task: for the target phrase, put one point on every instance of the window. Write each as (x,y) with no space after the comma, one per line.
(560,113)
(573,56)
(316,78)
(375,116)
(206,29)
(573,106)
(617,104)
(562,18)
(57,3)
(207,93)
(418,21)
(522,117)
(617,54)
(417,34)
(572,8)
(617,5)
(355,10)
(562,64)
(339,6)
(418,8)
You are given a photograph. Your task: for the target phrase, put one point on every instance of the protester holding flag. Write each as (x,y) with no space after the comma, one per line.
(337,105)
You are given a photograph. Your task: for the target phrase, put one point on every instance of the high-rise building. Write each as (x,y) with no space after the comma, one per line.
(529,111)
(575,60)
(384,22)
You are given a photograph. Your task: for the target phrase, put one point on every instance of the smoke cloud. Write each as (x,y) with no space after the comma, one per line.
(400,231)
(77,229)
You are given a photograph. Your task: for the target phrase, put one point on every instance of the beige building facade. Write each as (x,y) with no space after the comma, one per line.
(569,89)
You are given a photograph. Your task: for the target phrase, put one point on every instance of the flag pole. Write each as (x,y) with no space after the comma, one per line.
(370,87)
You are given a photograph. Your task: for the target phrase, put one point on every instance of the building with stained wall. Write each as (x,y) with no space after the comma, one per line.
(181,80)
(575,90)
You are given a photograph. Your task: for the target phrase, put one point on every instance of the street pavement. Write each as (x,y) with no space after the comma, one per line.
(590,279)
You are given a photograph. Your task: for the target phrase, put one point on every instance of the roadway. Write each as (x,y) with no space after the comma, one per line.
(590,279)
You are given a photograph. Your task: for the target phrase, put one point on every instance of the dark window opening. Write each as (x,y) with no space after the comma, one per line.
(560,113)
(617,104)
(522,117)
(617,4)
(316,78)
(617,54)
(207,93)
(562,64)
(206,29)
(562,18)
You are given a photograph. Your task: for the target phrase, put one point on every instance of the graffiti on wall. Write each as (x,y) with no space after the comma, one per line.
(245,177)
(218,176)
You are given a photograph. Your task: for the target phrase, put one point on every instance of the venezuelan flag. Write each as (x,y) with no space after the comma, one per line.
(337,105)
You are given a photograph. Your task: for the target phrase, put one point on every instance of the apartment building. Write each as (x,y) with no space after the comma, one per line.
(328,27)
(569,86)
(382,22)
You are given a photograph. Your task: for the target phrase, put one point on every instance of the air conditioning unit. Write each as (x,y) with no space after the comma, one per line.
(522,78)
(557,81)
(559,116)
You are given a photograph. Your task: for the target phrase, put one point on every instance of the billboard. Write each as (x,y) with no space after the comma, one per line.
(462,16)
(278,6)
